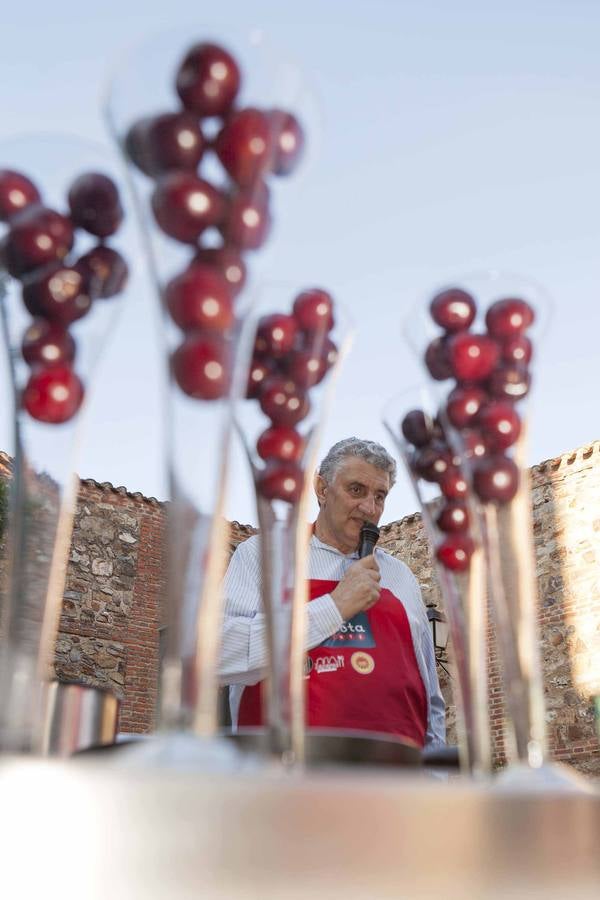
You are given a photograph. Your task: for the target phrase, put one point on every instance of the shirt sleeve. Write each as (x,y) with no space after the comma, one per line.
(436,718)
(244,642)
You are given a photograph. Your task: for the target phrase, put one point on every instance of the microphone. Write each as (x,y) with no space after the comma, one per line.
(369,535)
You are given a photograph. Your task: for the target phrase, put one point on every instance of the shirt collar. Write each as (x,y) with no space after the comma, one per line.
(321,546)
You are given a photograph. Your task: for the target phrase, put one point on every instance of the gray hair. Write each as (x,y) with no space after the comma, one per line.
(369,451)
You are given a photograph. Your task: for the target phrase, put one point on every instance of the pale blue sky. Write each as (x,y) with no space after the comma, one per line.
(456,136)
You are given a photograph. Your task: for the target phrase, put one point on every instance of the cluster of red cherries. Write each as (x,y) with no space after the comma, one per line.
(491,374)
(292,354)
(250,144)
(57,290)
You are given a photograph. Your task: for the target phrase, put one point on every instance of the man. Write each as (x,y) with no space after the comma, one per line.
(371,662)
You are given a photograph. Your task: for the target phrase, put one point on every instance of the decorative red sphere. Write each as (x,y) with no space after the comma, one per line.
(95,205)
(287,140)
(47,344)
(58,293)
(281,481)
(432,462)
(260,371)
(475,444)
(517,350)
(283,402)
(496,479)
(247,221)
(202,366)
(453,310)
(184,205)
(453,517)
(508,318)
(105,271)
(245,145)
(228,260)
(500,423)
(455,552)
(53,394)
(17,192)
(160,144)
(282,443)
(473,357)
(437,359)
(199,299)
(38,236)
(305,367)
(463,404)
(208,80)
(417,428)
(313,311)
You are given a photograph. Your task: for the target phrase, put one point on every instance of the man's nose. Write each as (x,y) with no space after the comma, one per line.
(368,506)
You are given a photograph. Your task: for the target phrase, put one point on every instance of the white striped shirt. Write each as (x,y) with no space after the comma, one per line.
(244,649)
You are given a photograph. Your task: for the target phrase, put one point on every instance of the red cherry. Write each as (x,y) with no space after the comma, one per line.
(473,357)
(275,335)
(95,205)
(47,344)
(508,318)
(453,485)
(305,367)
(247,219)
(200,299)
(437,359)
(53,395)
(105,270)
(208,80)
(517,350)
(260,371)
(283,402)
(432,462)
(281,481)
(313,310)
(455,552)
(245,145)
(453,517)
(287,140)
(463,404)
(162,143)
(330,353)
(453,310)
(496,478)
(185,205)
(281,443)
(37,236)
(500,423)
(59,293)
(229,262)
(417,428)
(475,444)
(201,366)
(16,193)
(509,382)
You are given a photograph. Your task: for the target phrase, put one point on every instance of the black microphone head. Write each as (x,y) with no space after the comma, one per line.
(369,535)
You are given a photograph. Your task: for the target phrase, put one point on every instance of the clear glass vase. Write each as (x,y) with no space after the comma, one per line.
(63,276)
(207,125)
(452,518)
(290,388)
(479,338)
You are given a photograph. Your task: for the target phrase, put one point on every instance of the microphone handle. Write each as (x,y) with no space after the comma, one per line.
(366,547)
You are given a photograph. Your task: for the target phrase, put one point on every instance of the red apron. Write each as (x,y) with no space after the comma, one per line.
(364,677)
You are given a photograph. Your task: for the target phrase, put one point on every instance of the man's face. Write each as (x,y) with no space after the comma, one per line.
(355,495)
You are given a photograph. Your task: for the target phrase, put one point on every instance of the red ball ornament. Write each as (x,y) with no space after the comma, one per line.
(160,144)
(185,205)
(38,236)
(463,404)
(283,402)
(245,145)
(229,262)
(473,357)
(455,552)
(432,462)
(453,485)
(417,428)
(496,479)
(247,221)
(53,395)
(104,270)
(517,350)
(453,517)
(313,311)
(437,359)
(17,192)
(260,371)
(287,139)
(47,344)
(500,423)
(509,382)
(281,443)
(275,335)
(508,318)
(95,205)
(58,293)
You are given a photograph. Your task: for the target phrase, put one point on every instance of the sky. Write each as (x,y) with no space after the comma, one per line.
(450,137)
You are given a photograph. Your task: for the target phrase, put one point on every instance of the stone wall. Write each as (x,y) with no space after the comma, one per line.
(110,621)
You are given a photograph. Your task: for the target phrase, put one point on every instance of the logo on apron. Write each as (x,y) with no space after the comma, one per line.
(356,632)
(363,663)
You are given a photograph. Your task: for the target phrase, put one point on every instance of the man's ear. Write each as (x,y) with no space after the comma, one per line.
(320,486)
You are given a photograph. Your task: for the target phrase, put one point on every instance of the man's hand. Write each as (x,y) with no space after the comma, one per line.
(359,588)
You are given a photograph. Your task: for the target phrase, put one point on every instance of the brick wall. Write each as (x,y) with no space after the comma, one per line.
(109,627)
